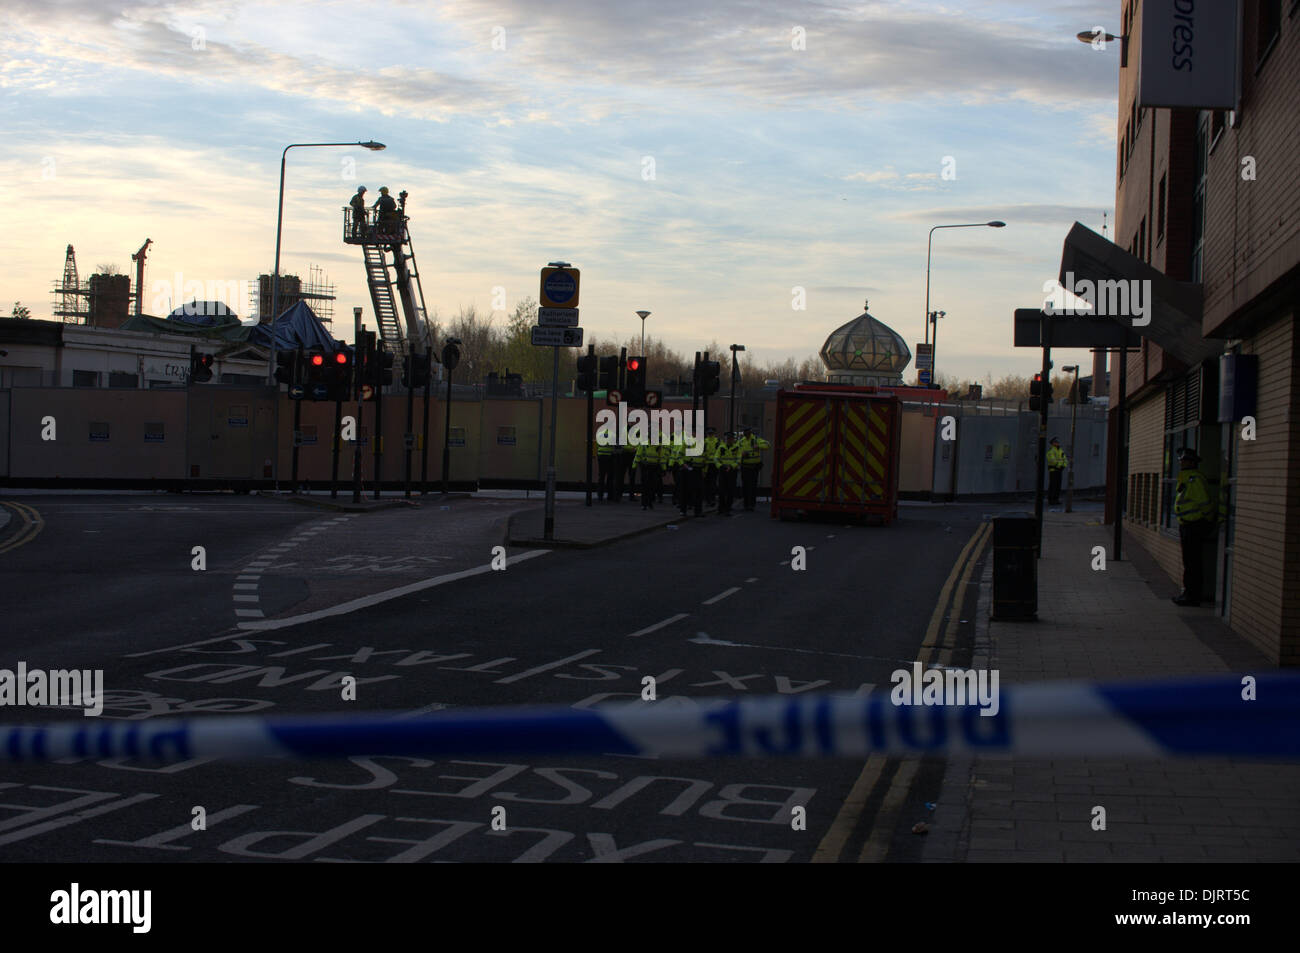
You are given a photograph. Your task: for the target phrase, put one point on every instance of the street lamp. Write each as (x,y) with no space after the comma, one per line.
(279,223)
(929,241)
(934,319)
(643,315)
(735,376)
(1097,36)
(1074,416)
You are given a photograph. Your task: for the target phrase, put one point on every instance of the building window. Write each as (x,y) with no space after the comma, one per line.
(85,378)
(1200,154)
(1182,429)
(123,379)
(1270,27)
(1160,207)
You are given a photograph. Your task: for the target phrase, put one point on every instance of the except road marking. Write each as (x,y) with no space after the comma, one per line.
(722,595)
(385,596)
(657,626)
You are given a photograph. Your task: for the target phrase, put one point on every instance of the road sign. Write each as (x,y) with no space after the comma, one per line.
(924,356)
(653,398)
(367,392)
(923,376)
(296,392)
(557,337)
(614,398)
(559,287)
(320,391)
(557,317)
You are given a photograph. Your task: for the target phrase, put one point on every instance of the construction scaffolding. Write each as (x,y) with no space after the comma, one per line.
(100,301)
(317,292)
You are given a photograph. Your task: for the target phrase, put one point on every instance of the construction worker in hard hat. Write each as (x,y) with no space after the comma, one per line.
(358,203)
(387,205)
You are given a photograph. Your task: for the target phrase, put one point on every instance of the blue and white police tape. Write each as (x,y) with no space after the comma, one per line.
(1184,717)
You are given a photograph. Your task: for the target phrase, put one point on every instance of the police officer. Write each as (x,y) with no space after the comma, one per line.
(726,460)
(648,455)
(628,471)
(691,473)
(751,461)
(609,458)
(1056,464)
(710,467)
(1196,525)
(358,203)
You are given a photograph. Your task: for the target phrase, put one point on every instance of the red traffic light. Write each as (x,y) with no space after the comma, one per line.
(341,357)
(633,364)
(205,360)
(317,360)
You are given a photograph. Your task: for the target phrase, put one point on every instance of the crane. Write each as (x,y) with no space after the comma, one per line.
(138,258)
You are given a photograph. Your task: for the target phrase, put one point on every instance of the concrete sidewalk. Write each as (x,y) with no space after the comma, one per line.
(580,526)
(1103,625)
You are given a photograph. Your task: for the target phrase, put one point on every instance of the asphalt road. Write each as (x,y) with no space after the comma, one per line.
(712,608)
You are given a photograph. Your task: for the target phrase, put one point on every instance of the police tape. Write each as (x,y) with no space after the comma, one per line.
(1232,716)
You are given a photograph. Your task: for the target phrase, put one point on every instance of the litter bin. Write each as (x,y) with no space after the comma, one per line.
(1015,567)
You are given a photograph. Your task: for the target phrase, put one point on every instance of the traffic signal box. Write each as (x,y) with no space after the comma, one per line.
(338,375)
(382,370)
(710,377)
(286,367)
(588,370)
(607,373)
(416,369)
(634,384)
(1039,391)
(200,368)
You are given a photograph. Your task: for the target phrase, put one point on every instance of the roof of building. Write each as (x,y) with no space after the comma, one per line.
(866,344)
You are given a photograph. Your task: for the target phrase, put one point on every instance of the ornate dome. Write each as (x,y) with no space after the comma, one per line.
(865,347)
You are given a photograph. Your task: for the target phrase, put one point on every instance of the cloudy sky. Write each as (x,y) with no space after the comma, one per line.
(701,160)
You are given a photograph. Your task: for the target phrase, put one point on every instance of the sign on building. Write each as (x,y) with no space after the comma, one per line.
(1189,54)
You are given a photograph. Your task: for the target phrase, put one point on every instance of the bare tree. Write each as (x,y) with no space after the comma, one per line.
(21,311)
(107,269)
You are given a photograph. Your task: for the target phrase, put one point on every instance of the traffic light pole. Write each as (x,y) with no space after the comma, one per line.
(297,423)
(1121,454)
(548,529)
(591,414)
(379,417)
(409,437)
(338,444)
(362,361)
(1074,418)
(1044,406)
(446,439)
(424,436)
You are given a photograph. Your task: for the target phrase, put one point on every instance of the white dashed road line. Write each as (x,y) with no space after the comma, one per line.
(657,626)
(722,595)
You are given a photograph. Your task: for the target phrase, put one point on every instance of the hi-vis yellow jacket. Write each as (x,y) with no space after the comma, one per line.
(726,457)
(751,450)
(1056,459)
(649,454)
(1192,502)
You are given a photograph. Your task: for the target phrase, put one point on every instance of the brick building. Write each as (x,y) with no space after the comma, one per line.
(1211,198)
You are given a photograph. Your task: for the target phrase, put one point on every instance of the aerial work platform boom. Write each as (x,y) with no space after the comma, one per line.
(391,274)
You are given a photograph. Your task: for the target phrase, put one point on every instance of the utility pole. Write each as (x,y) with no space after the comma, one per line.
(1074,417)
(1044,407)
(361,362)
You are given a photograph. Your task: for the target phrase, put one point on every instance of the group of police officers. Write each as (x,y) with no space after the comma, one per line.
(698,479)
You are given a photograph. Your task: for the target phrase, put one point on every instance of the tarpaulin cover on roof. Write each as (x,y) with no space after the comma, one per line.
(226,327)
(297,326)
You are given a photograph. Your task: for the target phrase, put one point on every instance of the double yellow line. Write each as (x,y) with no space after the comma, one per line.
(936,648)
(31,526)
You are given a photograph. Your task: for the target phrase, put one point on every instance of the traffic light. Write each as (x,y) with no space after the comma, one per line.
(1082,390)
(607,373)
(382,373)
(339,375)
(200,368)
(710,377)
(286,367)
(634,386)
(1040,391)
(416,369)
(313,371)
(587,369)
